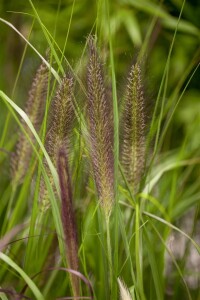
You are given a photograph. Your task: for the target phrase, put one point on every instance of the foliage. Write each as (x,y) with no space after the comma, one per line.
(131,145)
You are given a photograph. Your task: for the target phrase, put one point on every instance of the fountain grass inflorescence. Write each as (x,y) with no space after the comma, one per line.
(60,128)
(35,107)
(134,128)
(100,126)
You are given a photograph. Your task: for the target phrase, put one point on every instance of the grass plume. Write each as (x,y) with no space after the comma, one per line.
(100,129)
(68,216)
(61,125)
(35,110)
(134,127)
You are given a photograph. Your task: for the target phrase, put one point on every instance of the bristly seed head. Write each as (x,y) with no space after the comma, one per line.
(62,117)
(60,129)
(134,127)
(35,110)
(100,125)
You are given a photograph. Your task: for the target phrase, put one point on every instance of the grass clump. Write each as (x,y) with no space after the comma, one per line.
(71,226)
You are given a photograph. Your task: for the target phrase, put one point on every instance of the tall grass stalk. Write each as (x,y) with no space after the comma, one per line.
(138,252)
(101,138)
(68,217)
(116,152)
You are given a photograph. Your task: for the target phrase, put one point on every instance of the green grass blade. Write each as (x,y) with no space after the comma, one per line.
(55,208)
(174,261)
(173,227)
(3,296)
(116,161)
(55,74)
(47,38)
(27,279)
(139,252)
(165,167)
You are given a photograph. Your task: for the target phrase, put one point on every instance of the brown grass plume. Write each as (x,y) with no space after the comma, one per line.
(35,110)
(134,127)
(60,129)
(99,108)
